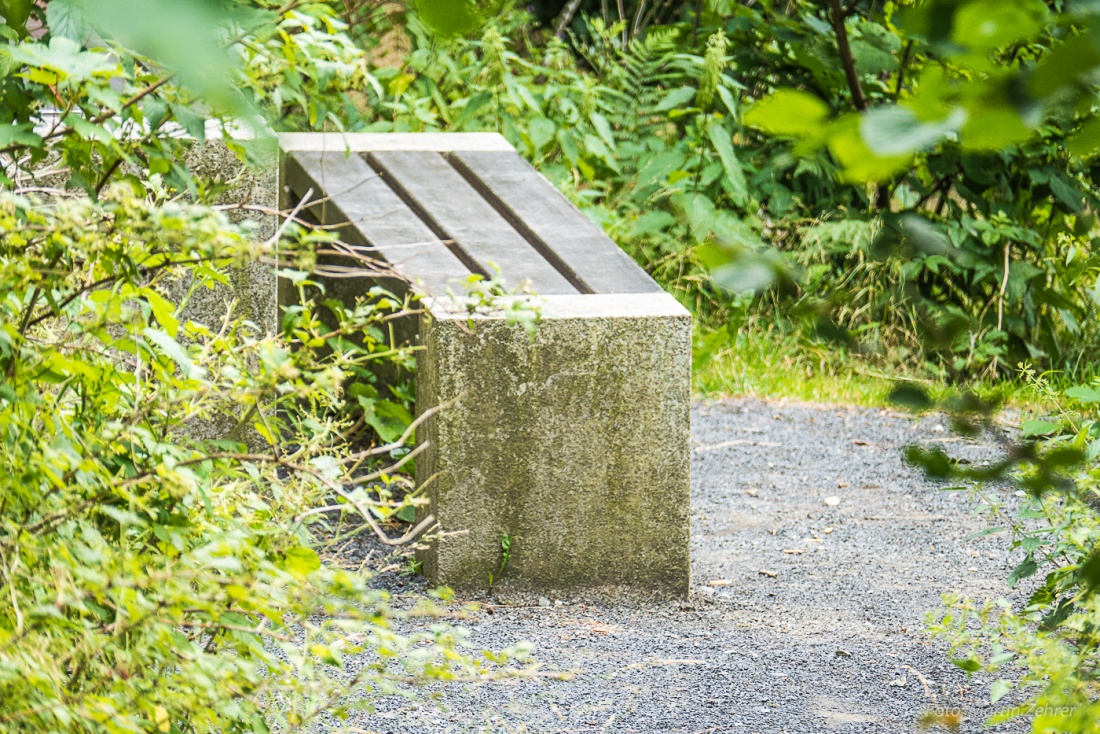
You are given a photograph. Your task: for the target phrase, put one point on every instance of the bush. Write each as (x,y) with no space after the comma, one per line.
(151,579)
(1044,650)
(710,145)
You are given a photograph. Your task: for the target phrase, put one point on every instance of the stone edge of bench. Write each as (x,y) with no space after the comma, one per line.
(363,142)
(581,306)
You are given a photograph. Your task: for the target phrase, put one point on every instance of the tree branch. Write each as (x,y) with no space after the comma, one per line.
(566,16)
(901,67)
(98,119)
(837,16)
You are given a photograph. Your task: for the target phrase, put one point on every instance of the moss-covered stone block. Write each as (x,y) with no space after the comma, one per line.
(573,443)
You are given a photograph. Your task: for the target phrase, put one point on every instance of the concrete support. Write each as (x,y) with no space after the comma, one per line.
(574,444)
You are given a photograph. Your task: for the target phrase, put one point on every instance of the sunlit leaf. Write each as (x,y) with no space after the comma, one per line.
(788,112)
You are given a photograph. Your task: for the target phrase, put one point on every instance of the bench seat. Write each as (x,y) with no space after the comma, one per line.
(573,442)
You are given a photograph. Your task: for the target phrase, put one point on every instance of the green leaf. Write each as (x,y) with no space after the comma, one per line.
(788,112)
(1026,569)
(858,161)
(261,429)
(1084,394)
(998,690)
(1088,571)
(897,131)
(19,135)
(65,19)
(1032,428)
(870,59)
(675,99)
(472,107)
(1070,60)
(447,18)
(727,99)
(541,132)
(980,533)
(302,561)
(388,419)
(986,25)
(170,347)
(89,130)
(64,58)
(16,13)
(991,127)
(163,311)
(721,138)
(652,222)
(326,654)
(603,127)
(184,37)
(910,396)
(1067,192)
(191,121)
(1085,143)
(745,275)
(970,665)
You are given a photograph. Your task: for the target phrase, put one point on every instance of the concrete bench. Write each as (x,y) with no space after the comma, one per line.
(573,443)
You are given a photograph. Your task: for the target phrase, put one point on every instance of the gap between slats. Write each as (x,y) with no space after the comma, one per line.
(537,243)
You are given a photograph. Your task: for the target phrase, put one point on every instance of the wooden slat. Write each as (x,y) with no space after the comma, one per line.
(359,142)
(372,214)
(453,208)
(545,217)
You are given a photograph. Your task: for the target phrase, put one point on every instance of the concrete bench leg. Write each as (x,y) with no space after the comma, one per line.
(576,444)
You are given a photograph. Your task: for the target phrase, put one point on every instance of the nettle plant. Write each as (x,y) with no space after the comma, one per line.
(151,579)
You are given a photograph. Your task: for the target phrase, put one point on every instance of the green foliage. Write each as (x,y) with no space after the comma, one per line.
(1046,650)
(736,145)
(960,114)
(505,556)
(919,180)
(153,580)
(481,295)
(914,184)
(112,104)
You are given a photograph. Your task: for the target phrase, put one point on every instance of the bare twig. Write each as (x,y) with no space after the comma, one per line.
(1001,302)
(638,14)
(292,217)
(235,627)
(360,456)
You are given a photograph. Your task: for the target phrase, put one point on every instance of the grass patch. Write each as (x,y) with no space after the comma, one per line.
(767,362)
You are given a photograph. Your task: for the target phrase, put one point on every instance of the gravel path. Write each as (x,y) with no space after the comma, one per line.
(804,617)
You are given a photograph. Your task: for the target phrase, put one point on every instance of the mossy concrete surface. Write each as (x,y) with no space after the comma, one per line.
(251,197)
(573,443)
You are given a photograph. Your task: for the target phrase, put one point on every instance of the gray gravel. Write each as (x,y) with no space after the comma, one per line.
(804,617)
